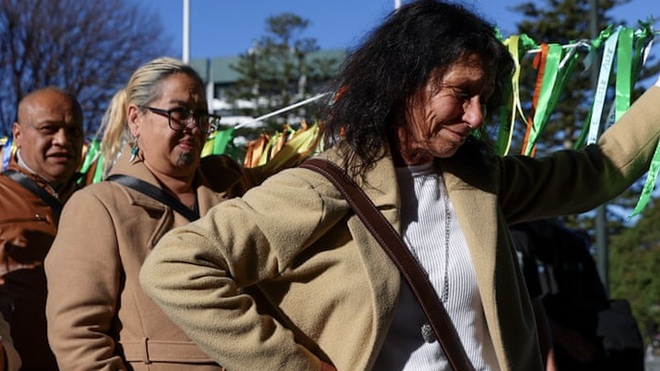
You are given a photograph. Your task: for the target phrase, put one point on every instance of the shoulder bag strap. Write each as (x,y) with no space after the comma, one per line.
(32,186)
(155,193)
(393,245)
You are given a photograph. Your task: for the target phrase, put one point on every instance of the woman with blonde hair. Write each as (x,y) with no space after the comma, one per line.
(155,129)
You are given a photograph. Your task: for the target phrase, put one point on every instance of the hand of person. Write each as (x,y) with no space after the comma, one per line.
(324,367)
(576,345)
(550,364)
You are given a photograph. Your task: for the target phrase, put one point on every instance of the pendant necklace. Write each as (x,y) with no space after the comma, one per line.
(445,287)
(427,331)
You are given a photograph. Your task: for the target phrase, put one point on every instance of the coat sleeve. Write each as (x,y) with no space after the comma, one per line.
(83,273)
(196,272)
(571,182)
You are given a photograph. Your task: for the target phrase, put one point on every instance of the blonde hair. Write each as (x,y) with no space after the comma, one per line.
(143,88)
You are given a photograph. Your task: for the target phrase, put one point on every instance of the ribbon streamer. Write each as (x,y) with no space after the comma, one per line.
(601,87)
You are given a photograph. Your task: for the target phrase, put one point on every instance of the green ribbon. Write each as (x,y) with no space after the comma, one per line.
(601,87)
(644,37)
(624,78)
(216,143)
(507,118)
(649,185)
(594,48)
(92,151)
(547,96)
(222,139)
(518,46)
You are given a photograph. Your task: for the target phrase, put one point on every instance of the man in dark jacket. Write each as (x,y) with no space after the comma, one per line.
(590,331)
(40,177)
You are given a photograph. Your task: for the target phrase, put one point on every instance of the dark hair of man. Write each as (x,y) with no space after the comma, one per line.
(393,63)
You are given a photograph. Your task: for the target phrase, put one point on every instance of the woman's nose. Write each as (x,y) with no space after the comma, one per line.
(474,112)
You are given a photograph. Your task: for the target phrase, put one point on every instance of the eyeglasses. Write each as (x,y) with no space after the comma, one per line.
(180,119)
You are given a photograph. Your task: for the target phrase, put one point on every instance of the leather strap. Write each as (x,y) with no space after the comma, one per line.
(32,186)
(155,193)
(395,248)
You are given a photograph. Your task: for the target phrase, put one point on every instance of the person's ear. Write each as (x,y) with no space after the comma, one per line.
(16,131)
(134,117)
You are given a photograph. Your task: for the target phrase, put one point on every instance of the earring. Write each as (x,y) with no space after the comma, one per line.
(134,151)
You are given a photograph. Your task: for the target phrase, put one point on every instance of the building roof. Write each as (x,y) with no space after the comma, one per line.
(223,73)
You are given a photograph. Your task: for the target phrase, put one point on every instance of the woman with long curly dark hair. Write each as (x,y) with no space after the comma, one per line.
(406,124)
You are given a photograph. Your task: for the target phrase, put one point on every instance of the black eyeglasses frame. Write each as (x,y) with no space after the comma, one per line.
(195,116)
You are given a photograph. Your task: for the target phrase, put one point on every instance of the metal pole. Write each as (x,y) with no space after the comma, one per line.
(600,223)
(185,54)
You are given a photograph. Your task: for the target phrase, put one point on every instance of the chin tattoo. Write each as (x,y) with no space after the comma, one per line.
(185,160)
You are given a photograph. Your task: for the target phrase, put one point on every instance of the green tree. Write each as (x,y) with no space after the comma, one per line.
(281,68)
(88,48)
(635,257)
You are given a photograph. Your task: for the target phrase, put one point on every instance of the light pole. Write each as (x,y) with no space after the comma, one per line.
(600,225)
(185,54)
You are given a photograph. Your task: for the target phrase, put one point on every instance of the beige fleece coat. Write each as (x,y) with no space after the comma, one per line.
(335,289)
(98,316)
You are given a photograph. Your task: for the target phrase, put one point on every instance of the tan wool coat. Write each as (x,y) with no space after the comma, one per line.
(98,316)
(330,287)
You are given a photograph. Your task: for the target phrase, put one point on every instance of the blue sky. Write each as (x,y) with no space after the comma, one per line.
(224,28)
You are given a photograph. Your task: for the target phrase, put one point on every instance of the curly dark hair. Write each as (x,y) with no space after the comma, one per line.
(394,62)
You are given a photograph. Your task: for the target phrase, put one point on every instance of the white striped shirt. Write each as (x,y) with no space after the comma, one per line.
(423,198)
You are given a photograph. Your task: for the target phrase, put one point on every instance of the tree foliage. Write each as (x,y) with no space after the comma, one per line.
(635,258)
(88,48)
(280,69)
